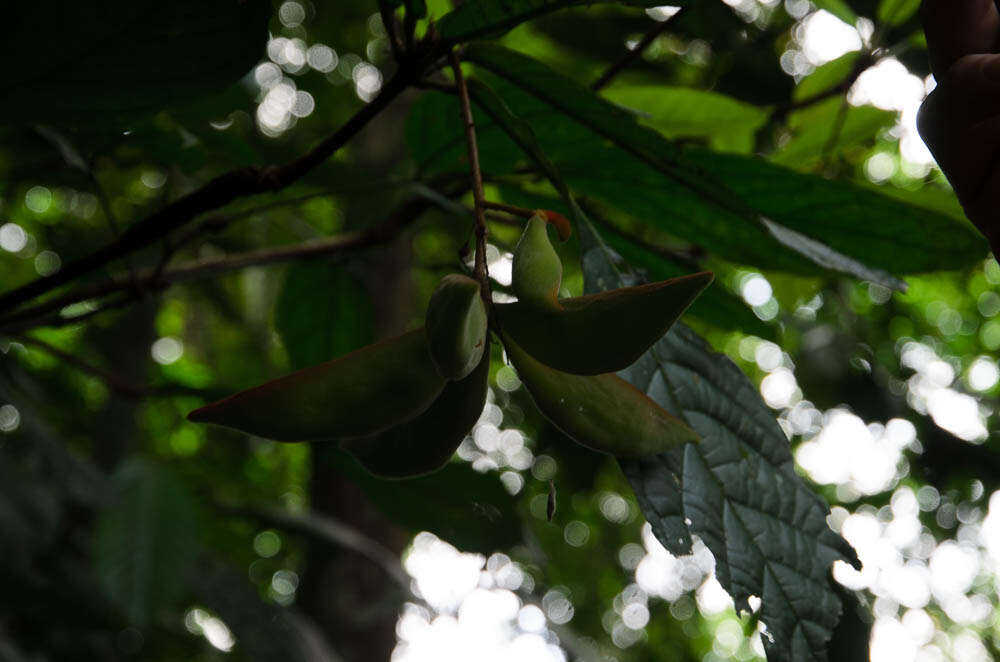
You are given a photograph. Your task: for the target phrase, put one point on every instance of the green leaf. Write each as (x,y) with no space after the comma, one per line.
(896,12)
(147,538)
(322,312)
(361,393)
(486,18)
(603,332)
(838,8)
(471,510)
(829,127)
(112,62)
(826,76)
(737,490)
(728,190)
(683,112)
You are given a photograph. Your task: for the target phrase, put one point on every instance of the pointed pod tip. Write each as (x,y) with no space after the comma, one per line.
(561,223)
(200,415)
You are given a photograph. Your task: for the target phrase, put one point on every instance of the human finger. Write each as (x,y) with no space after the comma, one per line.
(956,28)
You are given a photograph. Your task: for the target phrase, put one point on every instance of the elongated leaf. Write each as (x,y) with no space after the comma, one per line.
(604,412)
(603,332)
(897,12)
(683,112)
(362,393)
(483,18)
(322,312)
(426,443)
(733,189)
(146,539)
(108,62)
(819,129)
(825,256)
(737,490)
(838,8)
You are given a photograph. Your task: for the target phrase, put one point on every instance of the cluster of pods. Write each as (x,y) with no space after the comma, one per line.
(403,405)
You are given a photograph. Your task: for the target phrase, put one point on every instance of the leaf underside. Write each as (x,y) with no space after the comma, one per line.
(737,490)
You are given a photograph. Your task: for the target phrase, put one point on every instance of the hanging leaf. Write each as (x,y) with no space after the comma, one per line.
(737,490)
(147,538)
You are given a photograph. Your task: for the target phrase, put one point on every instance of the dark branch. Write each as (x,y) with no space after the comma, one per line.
(116,383)
(149,280)
(635,53)
(217,193)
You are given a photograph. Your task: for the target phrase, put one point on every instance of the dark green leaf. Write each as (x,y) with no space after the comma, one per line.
(469,509)
(682,112)
(147,538)
(897,12)
(322,312)
(482,18)
(737,490)
(727,190)
(111,62)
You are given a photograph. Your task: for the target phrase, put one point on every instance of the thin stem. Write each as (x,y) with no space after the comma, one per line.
(513,210)
(115,382)
(634,54)
(389,21)
(478,196)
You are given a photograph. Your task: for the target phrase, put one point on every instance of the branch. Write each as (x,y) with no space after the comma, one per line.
(389,21)
(156,279)
(330,531)
(116,383)
(634,54)
(864,61)
(479,198)
(218,192)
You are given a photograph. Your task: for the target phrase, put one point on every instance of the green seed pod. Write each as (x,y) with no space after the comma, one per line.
(603,412)
(603,332)
(537,270)
(358,394)
(426,443)
(456,326)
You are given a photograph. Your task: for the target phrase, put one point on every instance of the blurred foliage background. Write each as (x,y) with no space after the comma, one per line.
(131,534)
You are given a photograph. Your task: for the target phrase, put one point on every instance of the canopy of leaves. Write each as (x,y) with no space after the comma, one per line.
(275,189)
